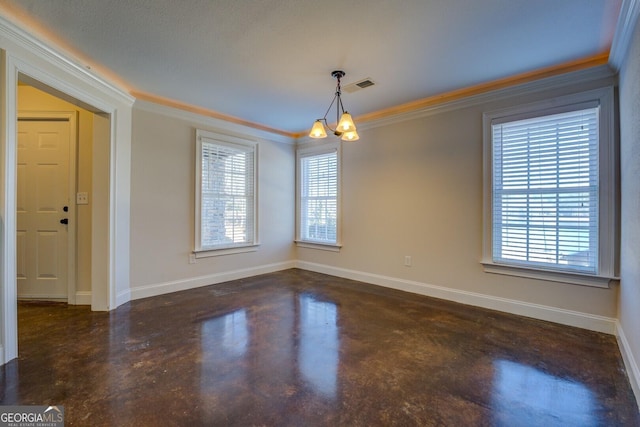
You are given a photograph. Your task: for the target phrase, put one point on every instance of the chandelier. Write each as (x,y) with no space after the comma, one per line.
(345,129)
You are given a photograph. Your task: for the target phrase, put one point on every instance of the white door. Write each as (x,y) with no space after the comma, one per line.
(42,206)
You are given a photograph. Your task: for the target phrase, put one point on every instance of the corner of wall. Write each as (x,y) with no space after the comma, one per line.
(631,365)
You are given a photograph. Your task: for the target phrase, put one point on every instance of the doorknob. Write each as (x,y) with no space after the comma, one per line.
(64,221)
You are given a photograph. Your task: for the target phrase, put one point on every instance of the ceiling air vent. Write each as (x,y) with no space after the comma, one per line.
(364,83)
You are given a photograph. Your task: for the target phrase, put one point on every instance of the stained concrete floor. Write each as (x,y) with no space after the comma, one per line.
(297,348)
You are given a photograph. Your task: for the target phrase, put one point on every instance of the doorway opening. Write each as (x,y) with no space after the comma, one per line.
(109,265)
(55,141)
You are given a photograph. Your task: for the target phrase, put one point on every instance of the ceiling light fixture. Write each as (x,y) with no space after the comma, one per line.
(346,129)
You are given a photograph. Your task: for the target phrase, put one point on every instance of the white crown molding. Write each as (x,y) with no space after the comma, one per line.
(549,83)
(588,321)
(630,362)
(627,20)
(219,124)
(37,47)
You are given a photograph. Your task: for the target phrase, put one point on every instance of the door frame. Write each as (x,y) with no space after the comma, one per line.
(71,118)
(29,60)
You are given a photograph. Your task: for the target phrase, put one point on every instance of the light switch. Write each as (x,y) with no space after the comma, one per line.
(82,198)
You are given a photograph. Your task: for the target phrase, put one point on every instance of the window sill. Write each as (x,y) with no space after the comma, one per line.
(548,275)
(206,253)
(333,247)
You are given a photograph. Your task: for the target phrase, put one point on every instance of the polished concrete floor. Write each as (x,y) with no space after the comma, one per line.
(297,348)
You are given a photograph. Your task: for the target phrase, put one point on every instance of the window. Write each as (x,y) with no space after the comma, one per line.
(550,177)
(545,191)
(318,196)
(225,194)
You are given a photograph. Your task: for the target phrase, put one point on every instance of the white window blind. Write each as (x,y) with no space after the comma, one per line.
(545,191)
(227,195)
(318,214)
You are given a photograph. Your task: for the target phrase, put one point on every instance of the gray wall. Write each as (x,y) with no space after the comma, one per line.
(162,206)
(630,200)
(408,188)
(415,188)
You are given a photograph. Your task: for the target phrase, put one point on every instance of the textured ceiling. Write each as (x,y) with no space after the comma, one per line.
(269,61)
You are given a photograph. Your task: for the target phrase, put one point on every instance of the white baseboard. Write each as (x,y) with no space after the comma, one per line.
(121,298)
(83,298)
(43,297)
(2,355)
(196,282)
(566,317)
(630,363)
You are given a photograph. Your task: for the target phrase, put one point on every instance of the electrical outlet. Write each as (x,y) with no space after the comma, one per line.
(407,260)
(192,258)
(82,198)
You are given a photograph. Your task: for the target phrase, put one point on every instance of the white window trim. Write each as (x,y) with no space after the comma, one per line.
(319,246)
(313,149)
(222,139)
(607,236)
(228,251)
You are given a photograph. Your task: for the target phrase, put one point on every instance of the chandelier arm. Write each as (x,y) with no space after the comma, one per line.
(324,119)
(330,105)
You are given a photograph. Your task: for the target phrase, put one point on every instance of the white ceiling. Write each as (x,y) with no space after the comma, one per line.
(269,61)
